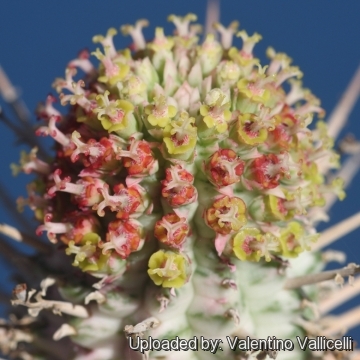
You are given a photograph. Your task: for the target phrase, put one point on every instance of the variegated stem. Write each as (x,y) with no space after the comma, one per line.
(172,319)
(214,309)
(120,296)
(268,306)
(169,306)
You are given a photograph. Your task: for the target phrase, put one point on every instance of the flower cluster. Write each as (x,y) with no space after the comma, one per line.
(186,116)
(183,177)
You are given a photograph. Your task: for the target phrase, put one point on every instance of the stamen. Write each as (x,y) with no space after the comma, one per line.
(77,95)
(83,62)
(47,110)
(288,73)
(136,33)
(224,168)
(64,185)
(227,34)
(296,93)
(54,132)
(182,23)
(278,61)
(138,158)
(126,202)
(29,163)
(107,41)
(34,201)
(53,228)
(93,150)
(6,199)
(248,43)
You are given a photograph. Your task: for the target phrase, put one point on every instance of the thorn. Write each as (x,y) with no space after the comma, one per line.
(340,114)
(343,323)
(212,16)
(337,232)
(339,297)
(21,237)
(300,281)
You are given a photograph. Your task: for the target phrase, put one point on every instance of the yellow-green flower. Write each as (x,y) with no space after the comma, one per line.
(160,113)
(185,34)
(254,91)
(113,114)
(243,244)
(311,173)
(250,130)
(168,269)
(133,86)
(216,110)
(115,69)
(86,257)
(228,71)
(210,47)
(250,244)
(337,186)
(161,42)
(289,239)
(181,135)
(209,54)
(294,240)
(275,209)
(245,57)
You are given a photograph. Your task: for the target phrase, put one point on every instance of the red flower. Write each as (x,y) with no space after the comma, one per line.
(171,230)
(224,168)
(138,158)
(266,170)
(177,187)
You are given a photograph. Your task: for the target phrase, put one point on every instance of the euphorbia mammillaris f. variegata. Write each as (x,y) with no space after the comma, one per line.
(185,188)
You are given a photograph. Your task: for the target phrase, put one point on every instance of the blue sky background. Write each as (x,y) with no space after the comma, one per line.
(38,38)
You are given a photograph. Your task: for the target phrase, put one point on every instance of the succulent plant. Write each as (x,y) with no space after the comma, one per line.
(184,190)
